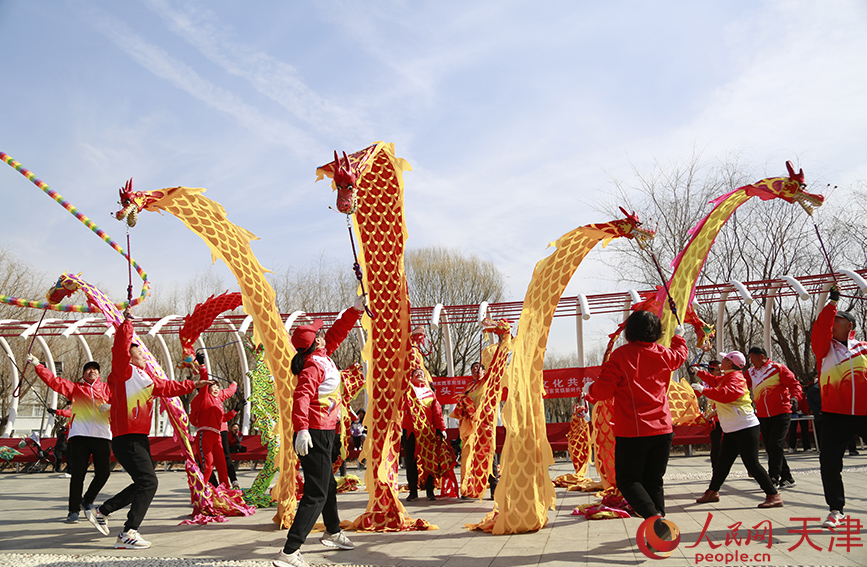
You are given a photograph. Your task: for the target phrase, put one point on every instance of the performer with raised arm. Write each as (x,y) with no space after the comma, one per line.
(134,385)
(842,365)
(206,413)
(315,413)
(89,435)
(637,377)
(740,428)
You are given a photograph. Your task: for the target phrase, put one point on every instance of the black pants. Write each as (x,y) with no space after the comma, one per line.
(805,434)
(746,444)
(408,441)
(837,431)
(133,452)
(79,452)
(639,464)
(60,450)
(774,431)
(494,477)
(716,434)
(320,491)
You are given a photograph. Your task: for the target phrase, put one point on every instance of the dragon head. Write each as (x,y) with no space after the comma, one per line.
(345,179)
(188,360)
(133,202)
(499,328)
(630,227)
(790,189)
(61,290)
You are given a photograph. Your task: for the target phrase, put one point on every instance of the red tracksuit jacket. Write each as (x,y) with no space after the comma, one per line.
(317,396)
(133,389)
(773,386)
(637,375)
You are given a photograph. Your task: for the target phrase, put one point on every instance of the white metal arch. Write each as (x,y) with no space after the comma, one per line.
(245,378)
(861,282)
(440,315)
(13,406)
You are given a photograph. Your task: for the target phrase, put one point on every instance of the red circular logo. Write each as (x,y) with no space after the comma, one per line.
(651,545)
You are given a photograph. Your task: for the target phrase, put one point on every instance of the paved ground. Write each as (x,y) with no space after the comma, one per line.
(32,531)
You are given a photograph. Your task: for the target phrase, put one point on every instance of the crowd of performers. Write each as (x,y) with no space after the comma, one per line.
(744,403)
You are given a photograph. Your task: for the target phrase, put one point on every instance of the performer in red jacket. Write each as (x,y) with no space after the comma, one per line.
(134,385)
(773,386)
(89,434)
(637,376)
(740,428)
(843,383)
(315,413)
(207,414)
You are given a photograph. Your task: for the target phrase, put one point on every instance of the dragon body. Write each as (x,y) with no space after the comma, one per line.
(525,492)
(231,243)
(370,183)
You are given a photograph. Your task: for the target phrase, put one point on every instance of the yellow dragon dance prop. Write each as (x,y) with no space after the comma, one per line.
(231,244)
(525,492)
(370,189)
(681,287)
(688,264)
(479,422)
(580,450)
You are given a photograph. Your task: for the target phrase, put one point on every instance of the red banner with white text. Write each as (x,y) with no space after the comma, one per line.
(558,383)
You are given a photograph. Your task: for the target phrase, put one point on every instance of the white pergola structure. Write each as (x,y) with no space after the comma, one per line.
(582,307)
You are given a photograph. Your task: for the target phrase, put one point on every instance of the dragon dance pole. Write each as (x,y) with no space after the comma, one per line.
(86,222)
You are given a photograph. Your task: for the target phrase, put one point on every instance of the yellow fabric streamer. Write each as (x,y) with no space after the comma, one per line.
(525,492)
(231,244)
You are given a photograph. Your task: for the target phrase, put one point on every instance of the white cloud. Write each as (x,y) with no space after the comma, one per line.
(186,78)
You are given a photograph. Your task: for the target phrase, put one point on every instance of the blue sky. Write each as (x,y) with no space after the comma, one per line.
(513,115)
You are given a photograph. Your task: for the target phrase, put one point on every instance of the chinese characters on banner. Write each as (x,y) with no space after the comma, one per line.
(558,383)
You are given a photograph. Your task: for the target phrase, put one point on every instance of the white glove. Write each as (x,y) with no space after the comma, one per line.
(586,388)
(360,302)
(303,442)
(31,359)
(104,408)
(679,330)
(699,388)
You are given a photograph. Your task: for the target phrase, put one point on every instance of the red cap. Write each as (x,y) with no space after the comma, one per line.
(303,336)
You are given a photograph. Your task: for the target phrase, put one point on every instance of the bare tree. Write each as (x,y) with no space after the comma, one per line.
(761,240)
(320,287)
(448,276)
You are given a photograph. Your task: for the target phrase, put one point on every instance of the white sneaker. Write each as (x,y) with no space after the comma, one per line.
(289,560)
(835,518)
(99,521)
(131,539)
(338,540)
